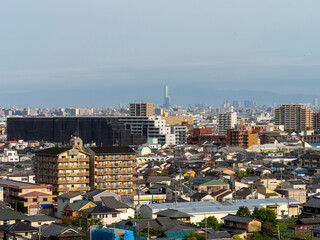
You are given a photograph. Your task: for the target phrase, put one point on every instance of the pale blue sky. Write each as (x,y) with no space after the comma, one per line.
(108,52)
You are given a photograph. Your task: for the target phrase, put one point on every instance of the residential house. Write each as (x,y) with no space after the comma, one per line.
(74,210)
(39,220)
(222,195)
(19,231)
(306,223)
(175,215)
(64,199)
(56,231)
(311,207)
(296,193)
(32,196)
(249,224)
(96,195)
(211,186)
(9,216)
(267,193)
(112,203)
(108,215)
(201,197)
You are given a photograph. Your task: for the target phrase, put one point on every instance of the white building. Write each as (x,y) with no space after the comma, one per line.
(201,210)
(226,121)
(9,156)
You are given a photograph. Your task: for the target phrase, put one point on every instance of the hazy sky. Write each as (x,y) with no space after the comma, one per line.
(101,53)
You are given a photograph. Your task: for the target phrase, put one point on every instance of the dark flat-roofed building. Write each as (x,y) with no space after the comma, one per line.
(105,131)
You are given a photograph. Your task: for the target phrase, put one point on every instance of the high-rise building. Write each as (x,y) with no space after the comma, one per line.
(296,117)
(65,168)
(227,121)
(315,102)
(167,97)
(141,109)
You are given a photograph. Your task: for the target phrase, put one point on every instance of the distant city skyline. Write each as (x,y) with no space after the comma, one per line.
(105,53)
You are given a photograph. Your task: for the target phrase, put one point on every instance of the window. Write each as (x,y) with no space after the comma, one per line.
(34,200)
(26,233)
(114,215)
(45,199)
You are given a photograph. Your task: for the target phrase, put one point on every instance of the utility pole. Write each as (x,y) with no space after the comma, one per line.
(278,232)
(148,229)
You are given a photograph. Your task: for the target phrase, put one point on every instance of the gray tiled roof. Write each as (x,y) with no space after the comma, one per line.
(56,229)
(69,195)
(313,203)
(111,202)
(236,218)
(39,218)
(20,227)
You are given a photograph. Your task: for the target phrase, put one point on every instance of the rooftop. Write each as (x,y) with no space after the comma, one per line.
(112,150)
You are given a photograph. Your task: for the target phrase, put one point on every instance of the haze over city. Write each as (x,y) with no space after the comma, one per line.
(84,54)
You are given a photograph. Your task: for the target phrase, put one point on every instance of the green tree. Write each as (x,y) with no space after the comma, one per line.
(243,211)
(212,222)
(249,171)
(259,236)
(237,237)
(162,174)
(136,216)
(152,232)
(21,208)
(67,222)
(265,215)
(194,236)
(241,173)
(95,222)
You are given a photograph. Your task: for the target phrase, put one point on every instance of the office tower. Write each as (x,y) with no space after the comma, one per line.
(236,104)
(167,98)
(227,121)
(111,168)
(141,109)
(315,102)
(65,168)
(294,116)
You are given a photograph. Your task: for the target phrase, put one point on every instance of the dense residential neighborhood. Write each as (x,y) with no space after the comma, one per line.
(208,175)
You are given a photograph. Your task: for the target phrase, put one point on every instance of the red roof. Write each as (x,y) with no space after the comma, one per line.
(35,194)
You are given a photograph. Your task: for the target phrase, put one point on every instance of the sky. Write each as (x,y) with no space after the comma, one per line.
(101,53)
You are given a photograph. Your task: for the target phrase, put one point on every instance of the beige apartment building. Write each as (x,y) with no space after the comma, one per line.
(112,168)
(296,117)
(65,168)
(141,109)
(31,195)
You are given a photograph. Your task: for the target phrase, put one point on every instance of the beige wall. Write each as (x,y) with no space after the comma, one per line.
(177,120)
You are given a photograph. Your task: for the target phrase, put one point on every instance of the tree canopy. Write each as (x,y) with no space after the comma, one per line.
(212,222)
(244,211)
(265,215)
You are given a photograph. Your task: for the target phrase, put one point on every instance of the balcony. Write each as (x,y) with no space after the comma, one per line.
(115,165)
(64,189)
(62,160)
(80,174)
(82,166)
(72,181)
(115,159)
